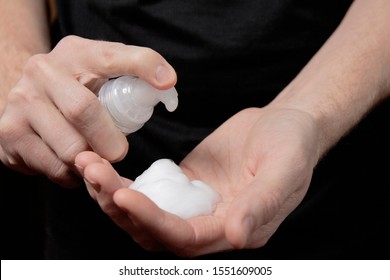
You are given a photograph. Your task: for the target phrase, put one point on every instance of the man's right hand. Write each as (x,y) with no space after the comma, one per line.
(52,113)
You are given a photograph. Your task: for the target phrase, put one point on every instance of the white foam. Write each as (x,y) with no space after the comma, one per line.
(166,185)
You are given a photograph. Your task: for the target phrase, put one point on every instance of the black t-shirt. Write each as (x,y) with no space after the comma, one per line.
(229,55)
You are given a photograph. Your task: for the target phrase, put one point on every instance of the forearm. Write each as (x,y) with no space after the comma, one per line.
(348,76)
(23,32)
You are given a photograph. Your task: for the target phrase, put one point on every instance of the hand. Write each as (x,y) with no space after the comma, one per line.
(52,114)
(260,161)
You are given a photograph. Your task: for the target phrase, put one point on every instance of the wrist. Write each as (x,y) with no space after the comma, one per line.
(319,114)
(334,106)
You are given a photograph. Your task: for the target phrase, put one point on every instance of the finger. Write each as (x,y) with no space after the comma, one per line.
(110,59)
(46,121)
(24,150)
(80,113)
(102,181)
(30,155)
(187,238)
(81,161)
(256,213)
(15,163)
(30,105)
(87,115)
(101,174)
(247,212)
(159,225)
(86,158)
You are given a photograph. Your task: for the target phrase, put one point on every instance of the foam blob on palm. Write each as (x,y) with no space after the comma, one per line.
(166,185)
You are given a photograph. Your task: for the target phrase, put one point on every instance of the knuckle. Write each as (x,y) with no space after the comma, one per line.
(7,130)
(12,133)
(37,64)
(83,111)
(143,54)
(69,41)
(21,96)
(69,152)
(56,169)
(108,208)
(108,53)
(58,172)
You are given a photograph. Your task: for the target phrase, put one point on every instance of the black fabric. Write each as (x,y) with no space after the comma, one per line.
(227,54)
(230,55)
(22,215)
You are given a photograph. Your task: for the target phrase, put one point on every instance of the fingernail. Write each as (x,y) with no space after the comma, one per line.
(79,169)
(163,74)
(92,184)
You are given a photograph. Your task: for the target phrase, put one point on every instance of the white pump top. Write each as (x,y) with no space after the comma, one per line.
(130,101)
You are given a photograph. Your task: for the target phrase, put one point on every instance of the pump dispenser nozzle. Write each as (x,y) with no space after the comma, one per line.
(130,101)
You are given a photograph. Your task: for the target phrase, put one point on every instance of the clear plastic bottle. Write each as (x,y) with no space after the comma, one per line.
(131,101)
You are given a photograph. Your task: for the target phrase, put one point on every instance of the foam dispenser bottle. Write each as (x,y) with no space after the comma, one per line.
(130,101)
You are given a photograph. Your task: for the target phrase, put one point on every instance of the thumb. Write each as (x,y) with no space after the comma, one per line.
(111,59)
(254,214)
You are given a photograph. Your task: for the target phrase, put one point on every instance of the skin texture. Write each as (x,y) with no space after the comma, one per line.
(19,39)
(259,169)
(262,175)
(59,126)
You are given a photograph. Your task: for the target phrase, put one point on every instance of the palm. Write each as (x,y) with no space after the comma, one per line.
(250,145)
(260,161)
(218,161)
